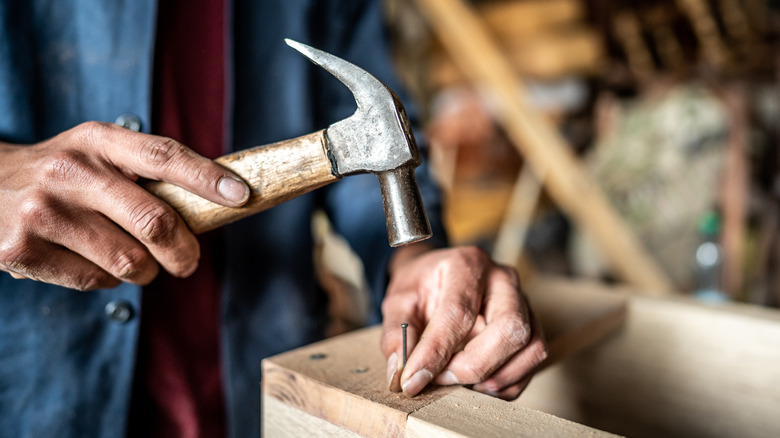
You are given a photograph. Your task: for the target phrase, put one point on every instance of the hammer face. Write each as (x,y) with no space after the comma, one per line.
(404,211)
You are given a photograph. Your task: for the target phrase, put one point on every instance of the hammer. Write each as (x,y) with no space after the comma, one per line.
(376,139)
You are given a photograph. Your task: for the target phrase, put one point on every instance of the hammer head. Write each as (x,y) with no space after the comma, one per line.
(376,139)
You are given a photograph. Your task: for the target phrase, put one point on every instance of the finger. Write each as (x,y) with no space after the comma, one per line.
(82,182)
(18,276)
(507,331)
(453,319)
(152,222)
(508,393)
(165,159)
(100,241)
(520,366)
(397,309)
(50,263)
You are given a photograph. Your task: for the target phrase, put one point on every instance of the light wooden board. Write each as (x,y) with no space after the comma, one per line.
(677,368)
(575,315)
(342,380)
(466,413)
(288,421)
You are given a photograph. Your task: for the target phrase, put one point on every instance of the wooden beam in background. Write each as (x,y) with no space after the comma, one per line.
(565,178)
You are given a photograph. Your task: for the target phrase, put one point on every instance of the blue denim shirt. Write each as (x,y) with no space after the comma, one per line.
(66,366)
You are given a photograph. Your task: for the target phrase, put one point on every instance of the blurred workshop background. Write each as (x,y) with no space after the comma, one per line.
(631,142)
(672,109)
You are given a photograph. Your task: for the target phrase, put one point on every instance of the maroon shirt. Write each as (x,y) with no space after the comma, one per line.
(178,386)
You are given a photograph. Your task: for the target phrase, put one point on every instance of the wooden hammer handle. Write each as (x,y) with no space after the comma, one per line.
(275,173)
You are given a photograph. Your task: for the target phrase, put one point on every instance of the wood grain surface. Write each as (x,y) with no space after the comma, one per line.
(466,413)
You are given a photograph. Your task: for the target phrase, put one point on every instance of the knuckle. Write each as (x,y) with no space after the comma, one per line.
(515,331)
(93,279)
(439,355)
(471,261)
(477,372)
(129,263)
(90,131)
(154,223)
(461,317)
(38,212)
(66,165)
(17,254)
(162,152)
(200,176)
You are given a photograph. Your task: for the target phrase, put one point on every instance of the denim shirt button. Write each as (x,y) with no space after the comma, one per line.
(129,121)
(119,311)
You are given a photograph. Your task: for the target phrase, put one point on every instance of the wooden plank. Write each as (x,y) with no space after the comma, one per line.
(342,380)
(565,178)
(288,421)
(575,315)
(466,413)
(681,368)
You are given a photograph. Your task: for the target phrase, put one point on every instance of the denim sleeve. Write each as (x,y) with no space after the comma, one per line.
(354,204)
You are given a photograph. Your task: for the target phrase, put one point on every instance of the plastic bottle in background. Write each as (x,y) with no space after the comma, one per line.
(709,260)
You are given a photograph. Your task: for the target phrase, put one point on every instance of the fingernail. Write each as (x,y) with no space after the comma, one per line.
(233,190)
(417,382)
(447,378)
(391,369)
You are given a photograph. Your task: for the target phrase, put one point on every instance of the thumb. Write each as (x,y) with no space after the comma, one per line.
(395,324)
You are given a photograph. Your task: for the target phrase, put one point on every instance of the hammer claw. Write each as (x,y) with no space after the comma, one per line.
(378,139)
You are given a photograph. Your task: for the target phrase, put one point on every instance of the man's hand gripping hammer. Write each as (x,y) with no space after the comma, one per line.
(376,139)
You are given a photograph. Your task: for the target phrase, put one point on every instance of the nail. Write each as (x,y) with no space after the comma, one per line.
(403,333)
(447,378)
(233,190)
(417,382)
(391,369)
